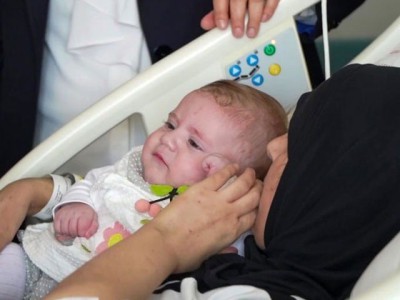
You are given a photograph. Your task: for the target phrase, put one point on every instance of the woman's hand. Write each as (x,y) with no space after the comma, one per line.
(235,12)
(209,216)
(19,199)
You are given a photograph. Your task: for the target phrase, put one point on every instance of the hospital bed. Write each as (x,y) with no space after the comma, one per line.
(261,62)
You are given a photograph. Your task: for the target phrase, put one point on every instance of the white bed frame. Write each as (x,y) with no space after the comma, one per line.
(154,92)
(381,46)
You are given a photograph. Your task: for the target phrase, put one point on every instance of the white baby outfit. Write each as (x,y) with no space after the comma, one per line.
(112,191)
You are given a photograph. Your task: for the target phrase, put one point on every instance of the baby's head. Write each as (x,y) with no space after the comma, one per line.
(219,123)
(258,116)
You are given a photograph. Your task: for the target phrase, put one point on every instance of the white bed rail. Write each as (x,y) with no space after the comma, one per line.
(381,46)
(389,289)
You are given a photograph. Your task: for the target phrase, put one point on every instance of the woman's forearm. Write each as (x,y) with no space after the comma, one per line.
(20,199)
(40,191)
(130,270)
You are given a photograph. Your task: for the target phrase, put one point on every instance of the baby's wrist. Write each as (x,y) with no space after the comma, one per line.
(61,183)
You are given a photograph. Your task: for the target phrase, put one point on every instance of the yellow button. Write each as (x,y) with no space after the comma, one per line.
(274,69)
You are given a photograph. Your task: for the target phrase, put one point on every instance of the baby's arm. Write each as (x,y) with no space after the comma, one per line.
(73,220)
(75,215)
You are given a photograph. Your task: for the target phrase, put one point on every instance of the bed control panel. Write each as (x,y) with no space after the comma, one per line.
(276,67)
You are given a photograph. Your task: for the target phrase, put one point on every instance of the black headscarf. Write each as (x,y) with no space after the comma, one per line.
(338,201)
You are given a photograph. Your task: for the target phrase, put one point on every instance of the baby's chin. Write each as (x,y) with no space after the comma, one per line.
(175,181)
(172,183)
(158,179)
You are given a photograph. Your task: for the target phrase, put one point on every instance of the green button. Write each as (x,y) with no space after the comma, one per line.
(269,49)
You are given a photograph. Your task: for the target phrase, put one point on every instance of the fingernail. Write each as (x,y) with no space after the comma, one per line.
(222,24)
(238,32)
(251,32)
(265,17)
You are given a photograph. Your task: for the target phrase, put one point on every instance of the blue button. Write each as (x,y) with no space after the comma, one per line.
(257,80)
(252,60)
(235,71)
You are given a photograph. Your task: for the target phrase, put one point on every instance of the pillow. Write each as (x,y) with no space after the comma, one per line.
(383,266)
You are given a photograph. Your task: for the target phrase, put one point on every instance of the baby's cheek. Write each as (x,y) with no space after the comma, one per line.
(192,179)
(189,176)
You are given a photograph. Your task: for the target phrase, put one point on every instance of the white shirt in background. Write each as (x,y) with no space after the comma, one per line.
(92,47)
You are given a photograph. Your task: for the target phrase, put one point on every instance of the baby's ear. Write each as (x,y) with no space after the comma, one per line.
(214,162)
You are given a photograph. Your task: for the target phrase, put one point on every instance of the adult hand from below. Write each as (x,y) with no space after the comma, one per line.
(199,223)
(235,12)
(18,200)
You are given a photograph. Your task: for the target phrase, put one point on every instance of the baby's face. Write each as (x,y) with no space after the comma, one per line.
(179,152)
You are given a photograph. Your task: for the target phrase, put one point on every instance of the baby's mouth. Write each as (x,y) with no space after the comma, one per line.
(159,158)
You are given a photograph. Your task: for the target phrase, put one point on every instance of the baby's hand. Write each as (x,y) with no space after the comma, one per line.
(73,220)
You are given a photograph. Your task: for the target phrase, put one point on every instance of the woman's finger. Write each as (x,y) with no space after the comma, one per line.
(255,12)
(246,222)
(238,10)
(269,10)
(221,13)
(240,186)
(219,178)
(250,200)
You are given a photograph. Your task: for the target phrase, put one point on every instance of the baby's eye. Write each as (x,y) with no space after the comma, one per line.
(169,125)
(194,144)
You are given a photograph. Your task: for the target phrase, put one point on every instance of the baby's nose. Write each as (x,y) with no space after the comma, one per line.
(169,140)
